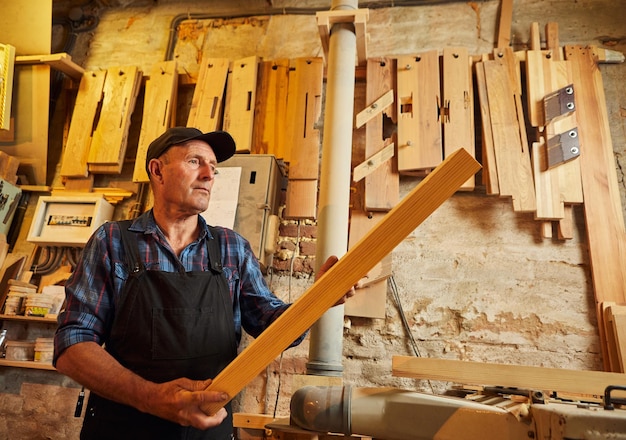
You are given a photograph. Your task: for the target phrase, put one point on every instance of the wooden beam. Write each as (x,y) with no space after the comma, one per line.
(479,373)
(604,216)
(418,205)
(504,23)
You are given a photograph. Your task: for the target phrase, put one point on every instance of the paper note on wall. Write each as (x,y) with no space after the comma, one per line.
(224,198)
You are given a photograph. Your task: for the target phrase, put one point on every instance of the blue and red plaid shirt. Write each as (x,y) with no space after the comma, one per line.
(95,286)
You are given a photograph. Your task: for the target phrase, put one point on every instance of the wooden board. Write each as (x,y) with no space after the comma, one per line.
(610,341)
(512,154)
(505,19)
(7,61)
(271,109)
(74,160)
(207,103)
(604,218)
(158,112)
(240,101)
(490,166)
(304,104)
(458,99)
(58,61)
(419,127)
(301,201)
(420,203)
(108,146)
(371,297)
(480,373)
(547,190)
(382,185)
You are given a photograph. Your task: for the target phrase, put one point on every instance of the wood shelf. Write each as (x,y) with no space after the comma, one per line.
(28,319)
(27,364)
(59,61)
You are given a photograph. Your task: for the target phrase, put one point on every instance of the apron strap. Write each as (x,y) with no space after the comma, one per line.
(129,243)
(213,247)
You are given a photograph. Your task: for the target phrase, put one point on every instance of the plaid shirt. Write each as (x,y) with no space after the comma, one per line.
(94,288)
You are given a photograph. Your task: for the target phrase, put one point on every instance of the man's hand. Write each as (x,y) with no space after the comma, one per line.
(324,268)
(180,401)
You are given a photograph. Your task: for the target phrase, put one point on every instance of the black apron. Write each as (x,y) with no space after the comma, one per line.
(167,325)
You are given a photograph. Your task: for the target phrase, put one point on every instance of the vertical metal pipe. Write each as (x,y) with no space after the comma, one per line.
(326,340)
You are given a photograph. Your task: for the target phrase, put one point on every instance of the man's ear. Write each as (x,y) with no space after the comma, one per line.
(155,167)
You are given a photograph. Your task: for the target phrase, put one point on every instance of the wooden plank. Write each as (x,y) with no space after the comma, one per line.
(382,185)
(604,218)
(76,152)
(618,321)
(458,98)
(110,137)
(271,108)
(545,76)
(418,205)
(490,166)
(159,110)
(480,373)
(251,421)
(512,155)
(505,18)
(207,103)
(304,104)
(376,107)
(610,338)
(301,201)
(58,61)
(372,163)
(371,297)
(419,127)
(7,61)
(547,190)
(240,101)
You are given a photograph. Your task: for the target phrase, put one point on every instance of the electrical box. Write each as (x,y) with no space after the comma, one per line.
(256,217)
(68,221)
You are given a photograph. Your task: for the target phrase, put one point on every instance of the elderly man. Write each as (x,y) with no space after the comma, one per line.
(156,305)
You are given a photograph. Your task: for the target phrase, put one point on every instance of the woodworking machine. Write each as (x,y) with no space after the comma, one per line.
(487,413)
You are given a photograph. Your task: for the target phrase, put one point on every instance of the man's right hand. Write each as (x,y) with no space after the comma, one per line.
(181,400)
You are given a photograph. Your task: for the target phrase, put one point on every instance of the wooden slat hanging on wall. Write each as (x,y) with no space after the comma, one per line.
(269,135)
(74,161)
(108,146)
(159,111)
(207,104)
(240,102)
(419,127)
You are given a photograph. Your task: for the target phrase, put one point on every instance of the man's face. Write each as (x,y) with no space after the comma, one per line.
(188,173)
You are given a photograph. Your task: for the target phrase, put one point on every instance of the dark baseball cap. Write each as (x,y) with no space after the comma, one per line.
(221,142)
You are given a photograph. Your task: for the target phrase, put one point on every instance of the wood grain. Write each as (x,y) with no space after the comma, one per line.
(480,373)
